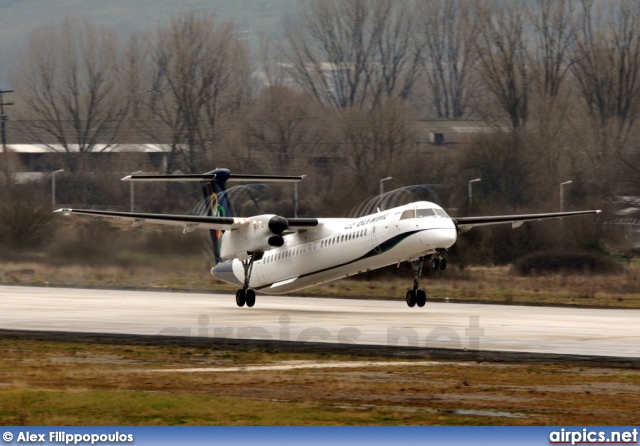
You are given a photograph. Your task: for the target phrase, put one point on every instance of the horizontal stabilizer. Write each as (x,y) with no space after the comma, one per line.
(214,177)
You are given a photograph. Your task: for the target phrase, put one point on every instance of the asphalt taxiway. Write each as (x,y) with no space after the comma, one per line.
(350,322)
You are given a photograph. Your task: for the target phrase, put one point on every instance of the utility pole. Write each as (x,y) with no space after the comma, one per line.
(295,198)
(382,184)
(53,188)
(562,208)
(562,194)
(471,191)
(4,118)
(131,190)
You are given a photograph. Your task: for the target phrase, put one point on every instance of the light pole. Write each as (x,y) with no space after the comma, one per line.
(295,198)
(471,190)
(131,188)
(562,194)
(562,208)
(382,184)
(53,188)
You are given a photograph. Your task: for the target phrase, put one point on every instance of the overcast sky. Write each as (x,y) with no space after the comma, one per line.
(19,17)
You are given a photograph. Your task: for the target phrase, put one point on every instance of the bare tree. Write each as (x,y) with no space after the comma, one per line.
(67,82)
(444,32)
(502,58)
(353,52)
(135,66)
(550,59)
(273,70)
(607,70)
(198,75)
(396,60)
(285,127)
(375,142)
(554,38)
(506,174)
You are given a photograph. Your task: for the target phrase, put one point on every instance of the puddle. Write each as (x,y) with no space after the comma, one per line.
(103,359)
(488,413)
(413,409)
(296,365)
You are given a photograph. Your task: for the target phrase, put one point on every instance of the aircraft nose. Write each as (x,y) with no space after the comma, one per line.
(439,238)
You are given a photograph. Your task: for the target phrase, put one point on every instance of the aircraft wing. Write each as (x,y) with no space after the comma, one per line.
(465,223)
(138,218)
(189,222)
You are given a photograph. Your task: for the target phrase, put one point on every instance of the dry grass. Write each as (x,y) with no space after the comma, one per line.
(47,383)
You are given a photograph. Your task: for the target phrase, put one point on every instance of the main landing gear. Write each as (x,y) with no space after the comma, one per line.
(439,262)
(246,295)
(417,296)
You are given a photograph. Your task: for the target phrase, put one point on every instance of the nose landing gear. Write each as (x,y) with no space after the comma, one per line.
(416,296)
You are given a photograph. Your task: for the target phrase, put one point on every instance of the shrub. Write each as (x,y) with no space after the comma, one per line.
(567,262)
(25,217)
(85,241)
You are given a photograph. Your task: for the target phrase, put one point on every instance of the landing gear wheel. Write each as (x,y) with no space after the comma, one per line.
(421,298)
(411,298)
(443,264)
(241,298)
(251,297)
(435,263)
(246,295)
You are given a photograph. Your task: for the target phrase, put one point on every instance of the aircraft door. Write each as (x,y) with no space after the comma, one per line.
(375,238)
(378,233)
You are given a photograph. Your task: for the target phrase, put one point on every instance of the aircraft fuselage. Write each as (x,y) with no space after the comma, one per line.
(340,248)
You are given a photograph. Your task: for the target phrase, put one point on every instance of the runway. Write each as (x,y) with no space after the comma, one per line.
(498,328)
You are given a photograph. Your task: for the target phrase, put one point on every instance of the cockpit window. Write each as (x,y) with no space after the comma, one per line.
(425,213)
(413,213)
(441,213)
(408,214)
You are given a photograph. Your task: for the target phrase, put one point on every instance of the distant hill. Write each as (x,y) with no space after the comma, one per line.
(20,17)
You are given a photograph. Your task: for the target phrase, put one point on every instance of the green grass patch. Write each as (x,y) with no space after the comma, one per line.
(57,383)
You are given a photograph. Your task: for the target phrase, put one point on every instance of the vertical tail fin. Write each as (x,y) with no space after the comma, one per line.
(218,204)
(214,189)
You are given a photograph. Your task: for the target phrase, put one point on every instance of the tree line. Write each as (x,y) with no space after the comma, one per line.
(341,93)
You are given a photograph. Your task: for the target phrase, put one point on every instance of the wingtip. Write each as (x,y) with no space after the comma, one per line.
(127,178)
(65,211)
(599,211)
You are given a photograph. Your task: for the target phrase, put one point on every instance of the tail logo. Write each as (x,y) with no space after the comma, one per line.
(217,210)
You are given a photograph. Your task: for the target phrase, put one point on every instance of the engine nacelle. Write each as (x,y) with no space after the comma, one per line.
(276,241)
(259,234)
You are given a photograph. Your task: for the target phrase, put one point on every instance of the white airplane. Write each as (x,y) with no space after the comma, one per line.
(275,255)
